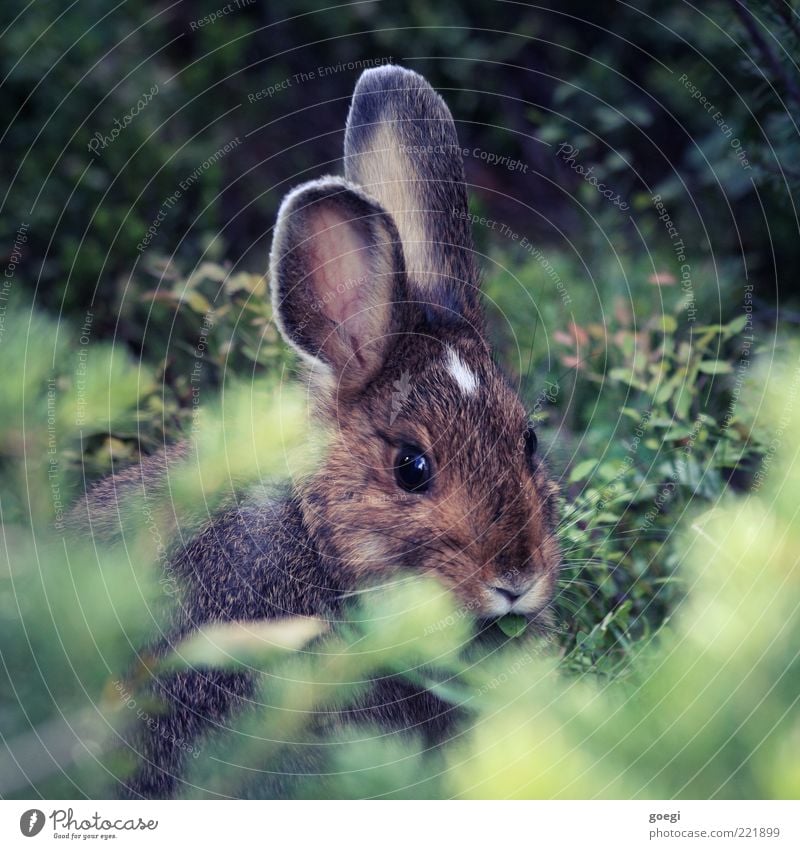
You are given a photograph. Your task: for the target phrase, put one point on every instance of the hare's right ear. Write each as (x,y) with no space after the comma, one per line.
(401,147)
(336,271)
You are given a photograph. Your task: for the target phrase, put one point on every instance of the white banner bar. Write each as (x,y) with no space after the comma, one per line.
(385,824)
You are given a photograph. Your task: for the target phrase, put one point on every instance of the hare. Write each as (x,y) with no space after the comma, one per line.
(432,467)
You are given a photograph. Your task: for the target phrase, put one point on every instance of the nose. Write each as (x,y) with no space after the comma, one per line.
(509,595)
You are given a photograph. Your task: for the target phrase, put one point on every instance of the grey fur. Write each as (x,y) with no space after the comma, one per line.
(491,508)
(302,318)
(402,148)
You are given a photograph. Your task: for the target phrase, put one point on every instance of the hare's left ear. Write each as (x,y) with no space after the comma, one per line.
(336,272)
(401,147)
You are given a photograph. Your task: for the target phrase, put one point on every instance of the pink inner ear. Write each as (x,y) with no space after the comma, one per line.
(339,269)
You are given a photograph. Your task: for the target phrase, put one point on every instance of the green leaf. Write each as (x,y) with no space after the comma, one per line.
(737,325)
(626,376)
(236,644)
(715,367)
(665,392)
(196,302)
(512,625)
(669,323)
(582,470)
(683,403)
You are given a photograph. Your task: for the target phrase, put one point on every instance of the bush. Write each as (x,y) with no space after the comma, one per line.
(670,622)
(77,611)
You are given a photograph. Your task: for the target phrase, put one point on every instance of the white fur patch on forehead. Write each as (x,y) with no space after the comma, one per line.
(461,373)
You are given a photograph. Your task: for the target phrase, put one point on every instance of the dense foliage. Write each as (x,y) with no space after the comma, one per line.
(144,158)
(75,612)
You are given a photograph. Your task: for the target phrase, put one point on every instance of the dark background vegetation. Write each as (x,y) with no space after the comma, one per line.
(650,394)
(602,76)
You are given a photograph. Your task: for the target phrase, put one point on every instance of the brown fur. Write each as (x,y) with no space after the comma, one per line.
(374,283)
(488,519)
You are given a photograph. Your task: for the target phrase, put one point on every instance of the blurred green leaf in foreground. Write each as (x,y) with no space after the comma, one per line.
(708,709)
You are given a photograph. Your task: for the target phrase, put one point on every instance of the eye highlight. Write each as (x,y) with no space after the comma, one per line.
(413,470)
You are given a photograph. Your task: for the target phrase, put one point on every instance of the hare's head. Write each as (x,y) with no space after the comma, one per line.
(432,464)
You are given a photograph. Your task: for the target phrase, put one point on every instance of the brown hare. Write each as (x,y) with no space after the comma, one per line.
(375,284)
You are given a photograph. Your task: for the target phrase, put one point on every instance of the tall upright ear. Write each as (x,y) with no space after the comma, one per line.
(336,271)
(401,147)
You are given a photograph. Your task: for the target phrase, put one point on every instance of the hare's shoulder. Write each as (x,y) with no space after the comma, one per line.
(254,560)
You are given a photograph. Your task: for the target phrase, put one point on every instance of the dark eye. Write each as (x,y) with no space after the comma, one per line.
(412,469)
(531,442)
